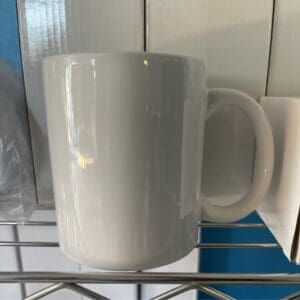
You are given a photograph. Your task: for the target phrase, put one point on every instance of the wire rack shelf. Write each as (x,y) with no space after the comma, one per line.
(185,281)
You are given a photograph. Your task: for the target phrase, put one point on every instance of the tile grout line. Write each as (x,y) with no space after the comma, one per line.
(139,287)
(145,25)
(270,47)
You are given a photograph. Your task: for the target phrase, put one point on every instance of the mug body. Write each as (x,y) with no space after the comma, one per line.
(126,138)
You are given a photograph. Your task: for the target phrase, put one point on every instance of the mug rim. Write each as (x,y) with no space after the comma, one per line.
(83,55)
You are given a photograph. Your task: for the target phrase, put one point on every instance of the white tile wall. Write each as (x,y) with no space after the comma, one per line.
(284,75)
(45,259)
(238,41)
(8,262)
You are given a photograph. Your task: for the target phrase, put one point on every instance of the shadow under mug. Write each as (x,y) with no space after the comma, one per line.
(126,138)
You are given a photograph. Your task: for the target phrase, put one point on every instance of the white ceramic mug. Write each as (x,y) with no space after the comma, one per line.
(126,139)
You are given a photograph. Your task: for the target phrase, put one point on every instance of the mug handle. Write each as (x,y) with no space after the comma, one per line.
(264,156)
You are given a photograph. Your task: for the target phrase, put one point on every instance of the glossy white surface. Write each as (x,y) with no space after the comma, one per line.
(125,141)
(281,208)
(177,27)
(215,212)
(68,26)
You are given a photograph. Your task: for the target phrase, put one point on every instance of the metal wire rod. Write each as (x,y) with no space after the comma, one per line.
(19,261)
(175,292)
(70,286)
(202,225)
(46,291)
(232,225)
(198,245)
(192,286)
(30,223)
(29,244)
(213,292)
(295,296)
(238,245)
(149,278)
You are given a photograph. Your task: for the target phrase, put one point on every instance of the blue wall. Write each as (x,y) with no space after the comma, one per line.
(246,261)
(9,37)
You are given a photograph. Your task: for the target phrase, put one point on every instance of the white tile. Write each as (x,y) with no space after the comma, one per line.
(285,63)
(238,41)
(177,26)
(232,36)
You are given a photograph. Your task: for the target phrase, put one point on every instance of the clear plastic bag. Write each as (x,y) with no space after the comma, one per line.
(17,194)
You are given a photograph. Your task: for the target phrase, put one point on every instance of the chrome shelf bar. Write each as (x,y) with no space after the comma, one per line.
(150,278)
(186,281)
(30,223)
(198,245)
(202,225)
(232,225)
(295,296)
(238,246)
(28,244)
